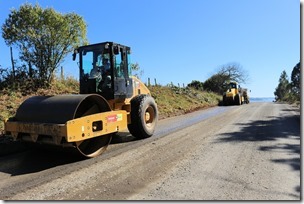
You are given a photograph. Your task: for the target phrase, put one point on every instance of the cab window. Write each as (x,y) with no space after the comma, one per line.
(87,62)
(118,66)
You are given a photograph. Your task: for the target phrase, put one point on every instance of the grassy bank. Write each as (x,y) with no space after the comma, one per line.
(10,99)
(171,101)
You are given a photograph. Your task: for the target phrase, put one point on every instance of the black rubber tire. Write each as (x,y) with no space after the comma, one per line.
(143,106)
(225,100)
(237,99)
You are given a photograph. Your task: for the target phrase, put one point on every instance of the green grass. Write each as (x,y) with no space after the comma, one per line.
(172,101)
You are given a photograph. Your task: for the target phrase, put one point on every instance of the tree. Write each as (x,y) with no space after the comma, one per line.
(227,73)
(43,37)
(136,69)
(216,83)
(296,81)
(283,89)
(234,72)
(196,84)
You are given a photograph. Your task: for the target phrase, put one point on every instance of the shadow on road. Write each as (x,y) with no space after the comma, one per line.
(272,129)
(123,137)
(18,158)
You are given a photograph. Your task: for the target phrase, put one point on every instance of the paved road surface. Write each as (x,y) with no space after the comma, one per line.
(248,152)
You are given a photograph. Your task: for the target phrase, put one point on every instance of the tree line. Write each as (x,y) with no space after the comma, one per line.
(289,91)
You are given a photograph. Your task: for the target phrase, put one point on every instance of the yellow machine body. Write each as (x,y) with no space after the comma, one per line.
(73,130)
(88,120)
(235,95)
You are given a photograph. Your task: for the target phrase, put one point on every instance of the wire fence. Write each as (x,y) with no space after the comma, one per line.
(169,85)
(178,89)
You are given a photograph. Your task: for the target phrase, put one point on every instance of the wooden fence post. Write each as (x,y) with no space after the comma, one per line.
(13,64)
(61,73)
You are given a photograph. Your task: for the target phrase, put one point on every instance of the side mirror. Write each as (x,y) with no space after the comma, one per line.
(74,54)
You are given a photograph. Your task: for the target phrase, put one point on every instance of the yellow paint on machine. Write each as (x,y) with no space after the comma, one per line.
(96,125)
(73,130)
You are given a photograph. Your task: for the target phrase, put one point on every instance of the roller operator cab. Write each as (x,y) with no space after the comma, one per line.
(110,100)
(105,69)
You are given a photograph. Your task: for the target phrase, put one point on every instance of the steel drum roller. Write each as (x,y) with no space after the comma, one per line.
(59,109)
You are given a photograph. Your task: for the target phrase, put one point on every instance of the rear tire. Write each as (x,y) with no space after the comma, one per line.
(224,100)
(144,116)
(237,99)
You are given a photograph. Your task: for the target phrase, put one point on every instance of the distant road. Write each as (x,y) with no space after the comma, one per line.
(262,99)
(247,152)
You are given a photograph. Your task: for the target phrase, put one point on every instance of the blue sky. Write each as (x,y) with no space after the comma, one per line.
(179,41)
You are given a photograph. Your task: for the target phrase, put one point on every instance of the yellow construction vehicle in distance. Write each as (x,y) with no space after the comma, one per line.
(235,95)
(109,100)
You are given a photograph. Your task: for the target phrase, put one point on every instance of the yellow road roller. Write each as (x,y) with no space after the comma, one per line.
(109,100)
(235,95)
